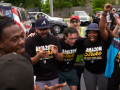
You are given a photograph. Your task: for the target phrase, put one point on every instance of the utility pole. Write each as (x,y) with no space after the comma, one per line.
(51,8)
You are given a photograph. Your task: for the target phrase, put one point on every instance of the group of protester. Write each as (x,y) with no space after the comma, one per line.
(54,60)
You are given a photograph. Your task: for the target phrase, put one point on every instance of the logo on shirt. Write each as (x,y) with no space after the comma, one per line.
(93,53)
(43,22)
(117,58)
(69,54)
(45,48)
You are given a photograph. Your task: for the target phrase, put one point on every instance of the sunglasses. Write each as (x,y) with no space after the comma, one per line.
(74,21)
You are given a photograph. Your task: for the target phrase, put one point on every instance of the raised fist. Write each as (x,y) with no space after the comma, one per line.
(107,7)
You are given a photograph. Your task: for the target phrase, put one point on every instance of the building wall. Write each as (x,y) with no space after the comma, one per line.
(67,12)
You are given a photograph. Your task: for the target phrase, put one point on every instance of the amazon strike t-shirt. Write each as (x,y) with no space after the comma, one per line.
(46,68)
(70,53)
(95,55)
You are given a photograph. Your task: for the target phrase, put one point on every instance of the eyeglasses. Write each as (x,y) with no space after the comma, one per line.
(72,39)
(74,21)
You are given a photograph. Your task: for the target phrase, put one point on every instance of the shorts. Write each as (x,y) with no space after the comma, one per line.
(70,77)
(41,84)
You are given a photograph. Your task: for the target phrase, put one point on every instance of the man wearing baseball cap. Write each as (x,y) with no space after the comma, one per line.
(111,15)
(75,22)
(79,63)
(44,50)
(51,29)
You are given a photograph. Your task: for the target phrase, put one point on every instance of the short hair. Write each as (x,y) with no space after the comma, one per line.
(97,12)
(4,23)
(70,30)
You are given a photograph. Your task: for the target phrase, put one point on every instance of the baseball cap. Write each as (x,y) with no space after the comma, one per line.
(75,17)
(42,23)
(16,73)
(113,9)
(92,26)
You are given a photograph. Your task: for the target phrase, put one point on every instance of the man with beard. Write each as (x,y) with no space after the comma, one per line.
(12,40)
(51,29)
(44,50)
(71,46)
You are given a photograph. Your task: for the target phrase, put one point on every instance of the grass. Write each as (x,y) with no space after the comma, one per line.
(66,20)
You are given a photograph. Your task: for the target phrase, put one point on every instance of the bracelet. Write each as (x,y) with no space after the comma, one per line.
(38,56)
(104,15)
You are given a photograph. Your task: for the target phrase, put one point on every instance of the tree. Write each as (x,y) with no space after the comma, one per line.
(118,2)
(46,7)
(25,3)
(60,4)
(98,5)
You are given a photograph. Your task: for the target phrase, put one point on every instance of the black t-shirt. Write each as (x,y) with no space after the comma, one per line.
(96,20)
(27,56)
(46,68)
(117,59)
(95,55)
(70,53)
(51,31)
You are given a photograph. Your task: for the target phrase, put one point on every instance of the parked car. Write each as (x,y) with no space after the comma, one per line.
(84,17)
(58,23)
(19,15)
(118,11)
(93,16)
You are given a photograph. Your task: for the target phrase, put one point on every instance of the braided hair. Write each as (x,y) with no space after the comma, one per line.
(4,23)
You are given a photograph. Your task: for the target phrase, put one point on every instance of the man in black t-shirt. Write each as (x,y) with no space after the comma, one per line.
(12,40)
(69,44)
(44,50)
(97,18)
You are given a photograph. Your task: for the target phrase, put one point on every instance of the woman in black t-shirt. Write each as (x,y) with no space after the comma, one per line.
(95,57)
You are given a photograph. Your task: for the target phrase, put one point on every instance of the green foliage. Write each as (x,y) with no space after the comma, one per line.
(69,14)
(46,7)
(60,4)
(97,9)
(118,2)
(111,2)
(98,3)
(25,3)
